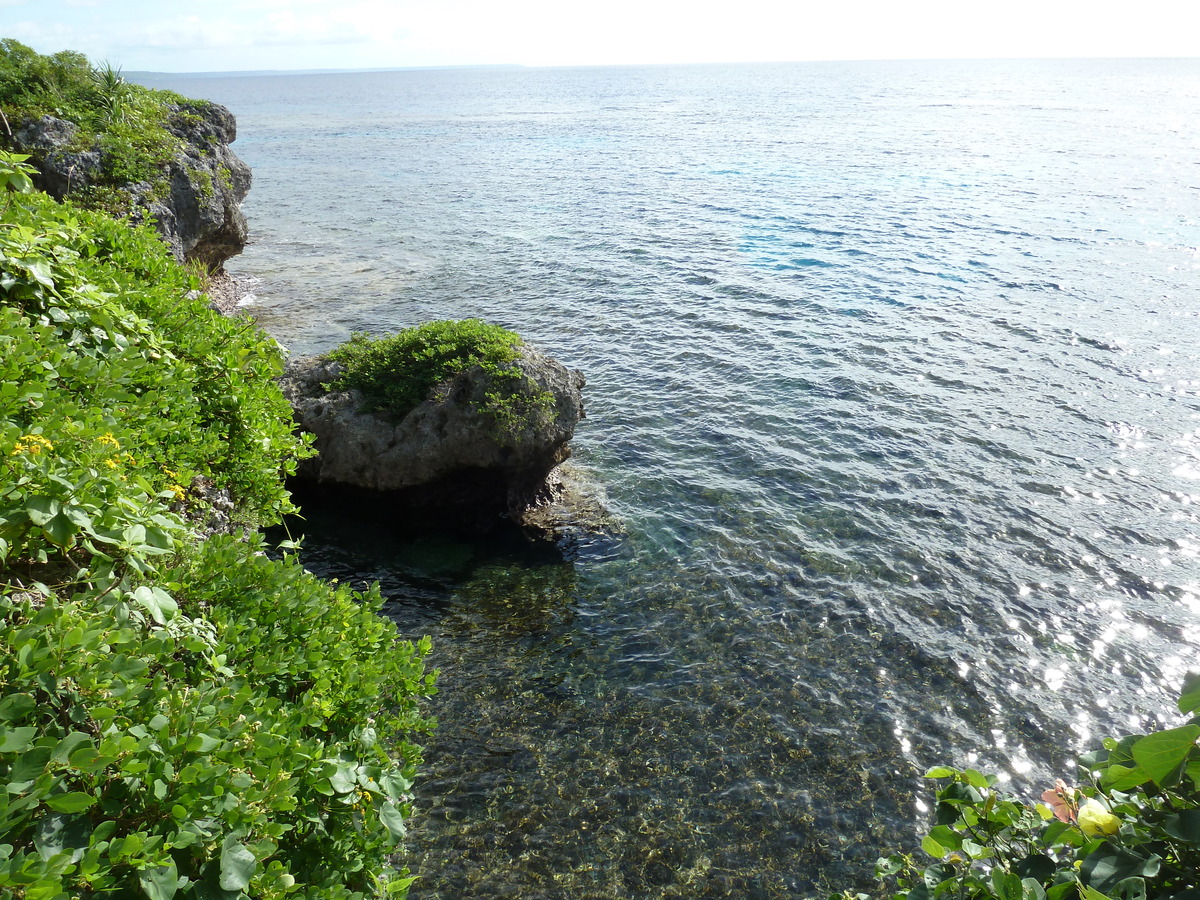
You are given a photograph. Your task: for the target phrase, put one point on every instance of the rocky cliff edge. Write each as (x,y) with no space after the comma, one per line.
(194,202)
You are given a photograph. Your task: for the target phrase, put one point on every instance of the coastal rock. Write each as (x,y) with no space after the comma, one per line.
(195,205)
(573,514)
(446,460)
(47,141)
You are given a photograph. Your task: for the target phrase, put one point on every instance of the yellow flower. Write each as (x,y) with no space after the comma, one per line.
(1095,820)
(109,440)
(33,444)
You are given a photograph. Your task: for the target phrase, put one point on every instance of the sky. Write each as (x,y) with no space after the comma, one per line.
(239,35)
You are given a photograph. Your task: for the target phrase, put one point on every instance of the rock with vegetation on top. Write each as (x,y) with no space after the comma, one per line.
(450,458)
(194,199)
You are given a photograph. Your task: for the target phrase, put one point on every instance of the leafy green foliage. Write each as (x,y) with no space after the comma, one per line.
(137,389)
(113,93)
(47,84)
(178,719)
(1131,831)
(145,758)
(128,123)
(14,174)
(398,372)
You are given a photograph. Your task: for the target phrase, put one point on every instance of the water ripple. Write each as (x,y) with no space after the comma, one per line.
(891,377)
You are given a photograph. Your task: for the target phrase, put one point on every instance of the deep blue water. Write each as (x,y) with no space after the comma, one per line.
(892,380)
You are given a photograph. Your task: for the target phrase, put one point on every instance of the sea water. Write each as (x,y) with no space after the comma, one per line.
(892,383)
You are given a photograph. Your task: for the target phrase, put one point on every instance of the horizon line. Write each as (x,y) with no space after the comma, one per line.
(428,68)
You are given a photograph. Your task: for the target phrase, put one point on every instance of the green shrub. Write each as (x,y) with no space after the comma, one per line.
(399,372)
(1130,831)
(128,123)
(41,84)
(137,387)
(143,756)
(177,718)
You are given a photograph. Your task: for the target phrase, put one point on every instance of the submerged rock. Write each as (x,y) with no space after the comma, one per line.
(448,460)
(195,204)
(573,513)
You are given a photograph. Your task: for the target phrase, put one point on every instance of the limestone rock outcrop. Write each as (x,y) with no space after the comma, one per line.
(447,459)
(196,207)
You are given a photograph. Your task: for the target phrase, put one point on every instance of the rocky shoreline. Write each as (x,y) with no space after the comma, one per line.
(227,294)
(447,461)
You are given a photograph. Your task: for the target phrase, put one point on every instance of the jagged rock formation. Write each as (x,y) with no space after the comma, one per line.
(447,460)
(196,205)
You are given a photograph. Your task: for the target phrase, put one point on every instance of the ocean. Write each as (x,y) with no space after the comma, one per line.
(893,386)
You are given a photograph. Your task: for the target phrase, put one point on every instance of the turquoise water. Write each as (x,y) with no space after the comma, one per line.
(892,380)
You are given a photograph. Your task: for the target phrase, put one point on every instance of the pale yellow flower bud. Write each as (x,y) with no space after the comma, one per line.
(1095,819)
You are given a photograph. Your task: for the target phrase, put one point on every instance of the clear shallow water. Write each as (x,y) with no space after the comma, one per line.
(893,379)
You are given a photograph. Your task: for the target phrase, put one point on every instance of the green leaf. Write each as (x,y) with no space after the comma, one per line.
(1007,884)
(15,707)
(1108,865)
(1122,778)
(1189,695)
(1162,753)
(1036,866)
(79,516)
(947,837)
(161,605)
(69,745)
(928,844)
(203,743)
(1093,759)
(888,865)
(344,778)
(1055,830)
(1121,752)
(74,801)
(17,182)
(977,779)
(939,772)
(60,530)
(40,270)
(30,764)
(127,667)
(160,882)
(90,761)
(16,740)
(1134,889)
(238,865)
(1184,826)
(57,833)
(393,820)
(395,784)
(975,850)
(41,509)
